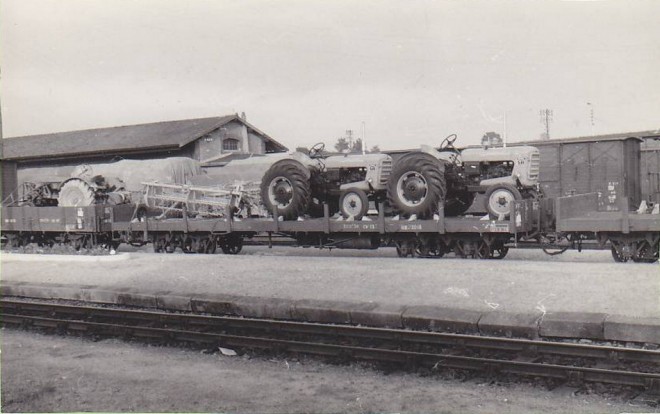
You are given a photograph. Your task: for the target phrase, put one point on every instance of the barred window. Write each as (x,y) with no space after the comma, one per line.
(230,144)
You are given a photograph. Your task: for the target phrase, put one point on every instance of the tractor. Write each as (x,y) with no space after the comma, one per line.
(302,183)
(423,180)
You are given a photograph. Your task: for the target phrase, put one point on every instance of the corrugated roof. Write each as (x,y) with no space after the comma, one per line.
(116,140)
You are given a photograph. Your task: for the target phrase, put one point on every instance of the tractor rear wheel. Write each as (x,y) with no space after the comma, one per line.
(417,185)
(285,187)
(76,193)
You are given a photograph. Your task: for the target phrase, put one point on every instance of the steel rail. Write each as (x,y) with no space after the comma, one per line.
(258,341)
(282,326)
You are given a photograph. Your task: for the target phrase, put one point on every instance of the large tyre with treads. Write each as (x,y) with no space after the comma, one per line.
(417,185)
(76,193)
(285,186)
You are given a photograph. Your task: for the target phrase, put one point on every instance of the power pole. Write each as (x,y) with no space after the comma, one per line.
(349,138)
(591,115)
(546,119)
(364,138)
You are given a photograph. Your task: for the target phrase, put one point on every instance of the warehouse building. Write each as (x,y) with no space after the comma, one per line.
(212,139)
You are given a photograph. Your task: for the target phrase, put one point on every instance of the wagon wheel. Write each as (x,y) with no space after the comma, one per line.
(617,254)
(232,245)
(436,252)
(499,252)
(159,245)
(77,243)
(483,250)
(404,250)
(188,245)
(618,257)
(647,254)
(463,249)
(10,241)
(211,246)
(88,242)
(14,241)
(202,245)
(422,250)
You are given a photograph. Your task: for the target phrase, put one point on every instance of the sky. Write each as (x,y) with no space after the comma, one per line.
(304,71)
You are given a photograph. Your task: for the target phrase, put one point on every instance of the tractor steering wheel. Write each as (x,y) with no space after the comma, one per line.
(448,143)
(317,150)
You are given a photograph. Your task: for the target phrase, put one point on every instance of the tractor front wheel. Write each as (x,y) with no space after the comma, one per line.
(500,199)
(354,204)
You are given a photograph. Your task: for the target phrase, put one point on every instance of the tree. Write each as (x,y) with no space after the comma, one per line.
(344,145)
(341,145)
(374,149)
(357,145)
(491,139)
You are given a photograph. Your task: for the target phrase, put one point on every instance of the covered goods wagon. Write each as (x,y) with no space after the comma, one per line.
(608,165)
(650,166)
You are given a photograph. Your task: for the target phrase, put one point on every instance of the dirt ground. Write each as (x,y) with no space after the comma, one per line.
(42,373)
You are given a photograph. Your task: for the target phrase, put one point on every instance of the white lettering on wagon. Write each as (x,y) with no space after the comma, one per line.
(499,228)
(358,226)
(411,227)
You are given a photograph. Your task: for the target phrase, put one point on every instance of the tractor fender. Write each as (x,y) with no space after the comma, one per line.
(304,168)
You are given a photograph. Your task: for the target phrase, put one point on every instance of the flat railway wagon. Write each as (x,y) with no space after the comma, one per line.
(574,219)
(466,236)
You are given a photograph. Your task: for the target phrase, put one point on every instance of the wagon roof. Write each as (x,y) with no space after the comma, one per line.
(592,138)
(121,139)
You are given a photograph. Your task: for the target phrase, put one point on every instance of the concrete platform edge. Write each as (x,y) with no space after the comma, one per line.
(431,318)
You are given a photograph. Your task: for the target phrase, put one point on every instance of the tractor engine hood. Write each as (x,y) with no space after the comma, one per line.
(498,154)
(354,160)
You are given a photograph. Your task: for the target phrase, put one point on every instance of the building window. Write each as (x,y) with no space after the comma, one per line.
(230,144)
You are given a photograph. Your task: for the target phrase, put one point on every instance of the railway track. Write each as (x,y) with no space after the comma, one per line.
(558,360)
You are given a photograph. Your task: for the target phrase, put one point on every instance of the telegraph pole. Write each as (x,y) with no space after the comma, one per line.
(349,138)
(364,138)
(546,118)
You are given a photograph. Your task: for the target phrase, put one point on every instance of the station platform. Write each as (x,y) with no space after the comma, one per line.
(528,294)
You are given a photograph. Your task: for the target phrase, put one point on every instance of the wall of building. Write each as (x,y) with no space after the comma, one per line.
(9,178)
(257,145)
(210,146)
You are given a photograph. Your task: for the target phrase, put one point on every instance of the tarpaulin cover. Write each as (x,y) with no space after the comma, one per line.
(250,170)
(175,170)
